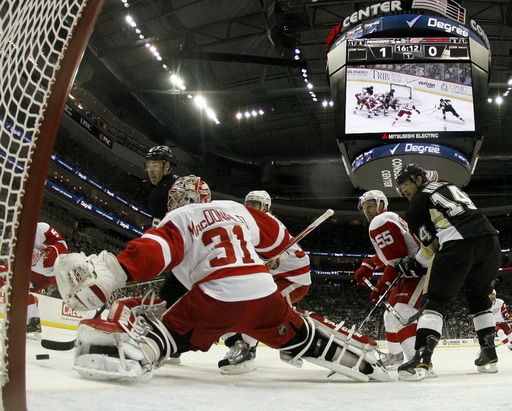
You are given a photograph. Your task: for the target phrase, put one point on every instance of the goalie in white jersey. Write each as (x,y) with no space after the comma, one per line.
(292,275)
(216,250)
(392,241)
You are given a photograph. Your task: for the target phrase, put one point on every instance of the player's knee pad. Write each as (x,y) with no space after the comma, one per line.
(130,345)
(336,348)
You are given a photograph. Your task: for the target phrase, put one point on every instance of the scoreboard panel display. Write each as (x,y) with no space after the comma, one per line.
(408,48)
(408,87)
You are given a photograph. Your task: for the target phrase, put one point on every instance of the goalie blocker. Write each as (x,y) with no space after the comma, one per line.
(133,342)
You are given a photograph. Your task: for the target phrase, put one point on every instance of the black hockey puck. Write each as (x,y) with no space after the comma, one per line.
(42,356)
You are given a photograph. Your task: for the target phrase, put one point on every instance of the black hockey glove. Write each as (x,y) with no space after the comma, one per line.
(410,268)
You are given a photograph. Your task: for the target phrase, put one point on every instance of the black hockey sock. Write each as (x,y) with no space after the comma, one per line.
(483,334)
(421,337)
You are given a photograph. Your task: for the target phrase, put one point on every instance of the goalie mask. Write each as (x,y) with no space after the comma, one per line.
(188,190)
(261,197)
(375,195)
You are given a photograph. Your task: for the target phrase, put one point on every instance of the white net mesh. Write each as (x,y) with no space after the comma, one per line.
(33,37)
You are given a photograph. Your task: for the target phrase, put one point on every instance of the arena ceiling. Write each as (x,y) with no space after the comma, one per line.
(223,51)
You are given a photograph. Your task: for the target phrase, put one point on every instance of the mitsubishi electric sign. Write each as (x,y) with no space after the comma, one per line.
(377,168)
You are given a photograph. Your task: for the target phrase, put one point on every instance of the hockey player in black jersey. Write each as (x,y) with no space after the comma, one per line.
(463,249)
(446,107)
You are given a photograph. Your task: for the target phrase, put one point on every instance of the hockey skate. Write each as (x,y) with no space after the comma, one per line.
(421,364)
(34,325)
(390,360)
(238,360)
(487,358)
(408,120)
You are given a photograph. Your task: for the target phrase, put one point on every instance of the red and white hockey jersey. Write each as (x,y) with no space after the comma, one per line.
(48,245)
(500,312)
(391,238)
(295,266)
(392,241)
(216,246)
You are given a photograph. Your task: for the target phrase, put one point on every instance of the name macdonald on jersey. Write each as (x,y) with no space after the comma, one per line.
(211,217)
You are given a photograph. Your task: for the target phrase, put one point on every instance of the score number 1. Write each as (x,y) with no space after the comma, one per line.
(384,52)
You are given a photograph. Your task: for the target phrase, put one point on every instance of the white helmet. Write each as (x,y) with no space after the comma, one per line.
(376,195)
(188,190)
(261,196)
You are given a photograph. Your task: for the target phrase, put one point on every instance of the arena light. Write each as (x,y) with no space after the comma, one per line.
(489,100)
(499,100)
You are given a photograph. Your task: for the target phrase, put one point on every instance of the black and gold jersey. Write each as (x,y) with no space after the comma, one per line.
(442,212)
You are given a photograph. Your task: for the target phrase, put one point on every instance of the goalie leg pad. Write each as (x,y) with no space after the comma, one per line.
(323,345)
(104,351)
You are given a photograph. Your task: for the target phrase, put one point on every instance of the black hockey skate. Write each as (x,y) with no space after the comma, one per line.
(34,325)
(487,358)
(421,364)
(238,360)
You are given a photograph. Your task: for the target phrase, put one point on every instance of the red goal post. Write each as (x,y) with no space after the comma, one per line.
(41,45)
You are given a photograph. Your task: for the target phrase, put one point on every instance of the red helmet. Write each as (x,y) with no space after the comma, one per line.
(188,190)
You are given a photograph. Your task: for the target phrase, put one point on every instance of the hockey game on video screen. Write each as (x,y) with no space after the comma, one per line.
(409,97)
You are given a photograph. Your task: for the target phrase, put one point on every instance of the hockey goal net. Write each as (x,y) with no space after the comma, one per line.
(401,91)
(41,44)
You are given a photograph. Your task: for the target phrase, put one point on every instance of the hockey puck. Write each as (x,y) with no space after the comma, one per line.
(42,356)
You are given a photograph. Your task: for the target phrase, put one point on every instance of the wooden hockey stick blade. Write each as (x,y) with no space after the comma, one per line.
(58,345)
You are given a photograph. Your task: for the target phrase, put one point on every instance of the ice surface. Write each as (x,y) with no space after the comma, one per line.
(196,384)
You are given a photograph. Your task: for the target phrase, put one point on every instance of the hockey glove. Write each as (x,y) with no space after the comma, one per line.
(49,254)
(368,266)
(383,284)
(410,268)
(418,111)
(86,282)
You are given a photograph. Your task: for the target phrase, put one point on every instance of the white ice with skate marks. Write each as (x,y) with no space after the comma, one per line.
(430,119)
(196,384)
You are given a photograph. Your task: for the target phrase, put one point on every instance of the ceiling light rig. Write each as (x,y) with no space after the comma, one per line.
(310,86)
(178,84)
(499,99)
(249,114)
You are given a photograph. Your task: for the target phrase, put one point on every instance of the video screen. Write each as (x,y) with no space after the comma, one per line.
(409,97)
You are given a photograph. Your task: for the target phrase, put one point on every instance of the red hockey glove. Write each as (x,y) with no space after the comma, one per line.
(383,284)
(50,255)
(377,292)
(368,266)
(410,268)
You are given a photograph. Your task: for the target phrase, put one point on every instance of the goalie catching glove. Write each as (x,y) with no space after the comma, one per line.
(409,267)
(87,282)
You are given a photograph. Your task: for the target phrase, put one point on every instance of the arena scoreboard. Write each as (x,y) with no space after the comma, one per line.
(392,69)
(409,48)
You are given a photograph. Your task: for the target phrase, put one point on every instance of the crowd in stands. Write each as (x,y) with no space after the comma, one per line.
(337,299)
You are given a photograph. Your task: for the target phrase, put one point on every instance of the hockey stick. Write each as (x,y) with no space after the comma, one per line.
(377,305)
(67,345)
(391,309)
(304,232)
(412,318)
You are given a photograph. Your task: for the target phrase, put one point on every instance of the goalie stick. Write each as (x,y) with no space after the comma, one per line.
(67,345)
